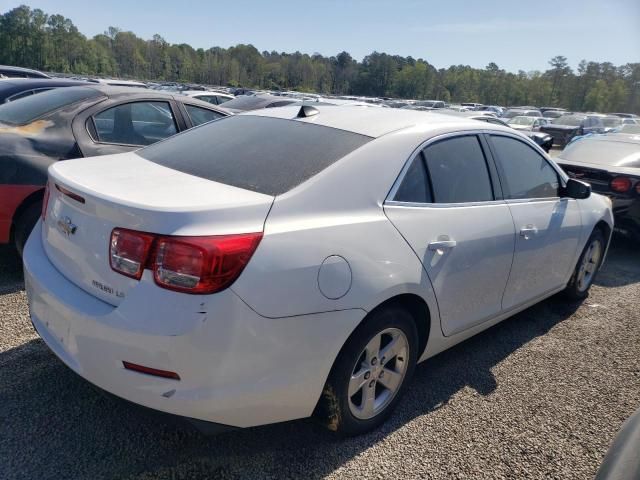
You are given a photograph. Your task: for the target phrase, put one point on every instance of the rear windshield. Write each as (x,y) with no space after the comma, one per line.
(262,154)
(31,108)
(603,152)
(246,103)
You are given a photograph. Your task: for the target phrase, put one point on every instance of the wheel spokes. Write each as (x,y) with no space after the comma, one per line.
(390,379)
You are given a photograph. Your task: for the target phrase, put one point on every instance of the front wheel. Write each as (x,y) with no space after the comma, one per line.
(370,373)
(587,267)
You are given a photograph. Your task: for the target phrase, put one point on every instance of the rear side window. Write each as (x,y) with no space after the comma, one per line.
(262,154)
(458,171)
(415,184)
(33,107)
(136,123)
(200,115)
(527,174)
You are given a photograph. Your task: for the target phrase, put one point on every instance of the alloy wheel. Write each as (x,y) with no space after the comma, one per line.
(378,373)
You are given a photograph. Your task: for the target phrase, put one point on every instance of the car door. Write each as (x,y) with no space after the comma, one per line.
(448,206)
(547,226)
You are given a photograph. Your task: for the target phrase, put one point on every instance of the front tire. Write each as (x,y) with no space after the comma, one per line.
(587,267)
(370,373)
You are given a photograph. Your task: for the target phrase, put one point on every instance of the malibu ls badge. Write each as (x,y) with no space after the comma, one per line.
(66,226)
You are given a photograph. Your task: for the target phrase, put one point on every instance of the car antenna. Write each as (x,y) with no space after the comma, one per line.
(307,111)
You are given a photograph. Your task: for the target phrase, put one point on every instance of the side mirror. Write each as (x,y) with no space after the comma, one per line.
(577,189)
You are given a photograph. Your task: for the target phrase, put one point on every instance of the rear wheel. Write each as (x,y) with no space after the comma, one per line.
(587,267)
(25,224)
(371,373)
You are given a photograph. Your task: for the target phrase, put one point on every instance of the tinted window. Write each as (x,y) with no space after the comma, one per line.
(527,173)
(199,115)
(415,184)
(262,154)
(35,106)
(458,171)
(222,99)
(137,123)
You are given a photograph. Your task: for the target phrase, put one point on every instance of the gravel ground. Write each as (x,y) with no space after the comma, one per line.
(539,396)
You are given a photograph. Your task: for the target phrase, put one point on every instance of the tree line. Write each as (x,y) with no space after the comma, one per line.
(35,39)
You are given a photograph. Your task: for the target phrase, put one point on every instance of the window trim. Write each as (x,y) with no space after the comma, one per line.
(92,130)
(536,148)
(491,170)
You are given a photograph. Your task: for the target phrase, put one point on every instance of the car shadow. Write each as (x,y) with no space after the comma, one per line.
(57,425)
(622,265)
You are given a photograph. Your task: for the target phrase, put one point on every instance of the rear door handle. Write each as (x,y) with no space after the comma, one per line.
(442,245)
(528,231)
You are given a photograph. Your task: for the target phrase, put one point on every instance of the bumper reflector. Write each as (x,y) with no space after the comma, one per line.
(151,371)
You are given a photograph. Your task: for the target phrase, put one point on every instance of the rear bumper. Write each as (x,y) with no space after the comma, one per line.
(236,368)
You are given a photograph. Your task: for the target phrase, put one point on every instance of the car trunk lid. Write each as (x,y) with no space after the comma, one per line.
(90,197)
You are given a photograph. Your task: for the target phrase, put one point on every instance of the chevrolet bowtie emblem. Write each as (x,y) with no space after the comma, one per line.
(66,226)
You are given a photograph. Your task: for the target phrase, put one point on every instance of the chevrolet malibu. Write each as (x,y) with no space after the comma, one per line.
(300,261)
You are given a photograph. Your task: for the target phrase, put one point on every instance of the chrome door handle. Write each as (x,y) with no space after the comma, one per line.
(442,245)
(528,231)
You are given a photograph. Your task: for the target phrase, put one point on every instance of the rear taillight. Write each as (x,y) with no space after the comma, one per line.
(184,264)
(45,201)
(128,251)
(620,184)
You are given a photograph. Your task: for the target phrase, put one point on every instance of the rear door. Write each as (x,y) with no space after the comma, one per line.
(547,226)
(126,126)
(448,206)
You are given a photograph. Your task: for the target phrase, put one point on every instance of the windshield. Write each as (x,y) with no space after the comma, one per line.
(570,120)
(522,121)
(33,107)
(251,152)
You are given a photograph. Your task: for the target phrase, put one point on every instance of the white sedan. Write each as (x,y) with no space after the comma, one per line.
(299,260)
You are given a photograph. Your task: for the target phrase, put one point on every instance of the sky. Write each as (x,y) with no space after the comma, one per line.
(515,34)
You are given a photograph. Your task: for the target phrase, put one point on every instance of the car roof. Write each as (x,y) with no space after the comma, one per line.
(28,83)
(373,122)
(10,68)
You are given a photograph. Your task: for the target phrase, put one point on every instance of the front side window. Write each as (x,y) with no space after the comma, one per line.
(458,171)
(527,174)
(199,115)
(136,123)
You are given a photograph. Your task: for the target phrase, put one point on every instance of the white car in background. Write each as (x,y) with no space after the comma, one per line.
(216,98)
(301,260)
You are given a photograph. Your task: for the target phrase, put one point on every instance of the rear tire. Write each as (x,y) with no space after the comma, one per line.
(24,225)
(587,267)
(371,373)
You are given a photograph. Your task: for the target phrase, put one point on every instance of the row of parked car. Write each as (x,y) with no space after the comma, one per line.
(106,117)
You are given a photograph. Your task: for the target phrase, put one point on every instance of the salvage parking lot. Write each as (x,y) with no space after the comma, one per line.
(539,395)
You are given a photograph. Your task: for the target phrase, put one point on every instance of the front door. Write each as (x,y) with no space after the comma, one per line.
(547,227)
